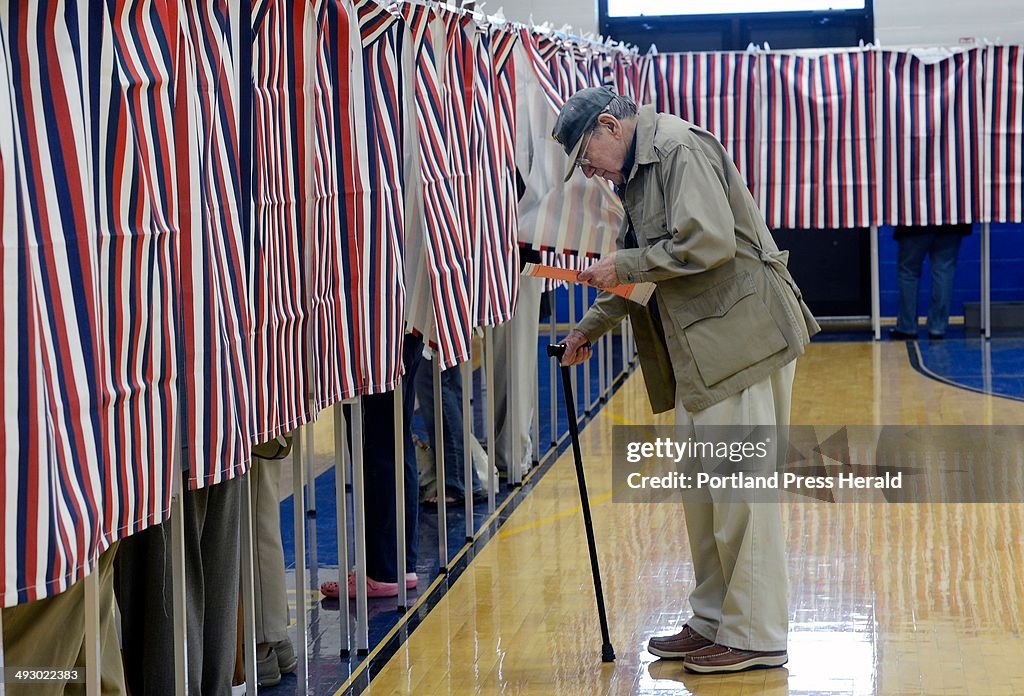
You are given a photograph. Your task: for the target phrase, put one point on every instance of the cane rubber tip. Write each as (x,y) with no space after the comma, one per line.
(556,350)
(607,654)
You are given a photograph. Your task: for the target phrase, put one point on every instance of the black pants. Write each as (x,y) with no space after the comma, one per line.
(379,474)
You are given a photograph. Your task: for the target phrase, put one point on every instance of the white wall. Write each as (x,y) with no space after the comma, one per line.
(581,15)
(946,22)
(897,22)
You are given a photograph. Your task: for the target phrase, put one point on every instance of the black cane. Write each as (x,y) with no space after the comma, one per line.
(557,351)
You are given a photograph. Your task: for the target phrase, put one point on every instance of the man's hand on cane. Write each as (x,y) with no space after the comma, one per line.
(577,348)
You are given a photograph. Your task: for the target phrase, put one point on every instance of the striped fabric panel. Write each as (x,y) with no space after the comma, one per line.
(56,386)
(586,66)
(604,67)
(650,71)
(538,49)
(333,208)
(930,130)
(626,75)
(278,284)
(419,308)
(1004,134)
(506,263)
(460,84)
(216,308)
(137,234)
(817,153)
(716,91)
(382,114)
(88,226)
(495,251)
(486,230)
(439,52)
(581,216)
(375,20)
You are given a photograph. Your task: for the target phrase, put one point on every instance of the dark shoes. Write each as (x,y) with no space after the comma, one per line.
(897,335)
(678,646)
(716,659)
(707,657)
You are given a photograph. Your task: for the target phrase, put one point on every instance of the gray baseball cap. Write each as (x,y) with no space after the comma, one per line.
(579,114)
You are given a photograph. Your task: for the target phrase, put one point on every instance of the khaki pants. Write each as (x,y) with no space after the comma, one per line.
(525,328)
(739,594)
(49,634)
(271,594)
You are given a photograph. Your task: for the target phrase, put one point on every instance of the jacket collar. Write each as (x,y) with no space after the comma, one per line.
(646,126)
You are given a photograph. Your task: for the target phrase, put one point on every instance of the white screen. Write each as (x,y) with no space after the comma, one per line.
(636,8)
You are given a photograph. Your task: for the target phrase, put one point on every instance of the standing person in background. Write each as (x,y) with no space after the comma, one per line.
(275,654)
(718,342)
(454,488)
(380,487)
(143,583)
(941,243)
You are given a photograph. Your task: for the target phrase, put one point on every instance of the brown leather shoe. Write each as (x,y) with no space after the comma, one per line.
(678,646)
(720,658)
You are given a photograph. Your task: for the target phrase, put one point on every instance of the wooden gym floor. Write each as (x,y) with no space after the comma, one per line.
(884,598)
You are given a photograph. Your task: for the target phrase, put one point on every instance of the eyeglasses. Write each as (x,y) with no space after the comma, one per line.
(582,160)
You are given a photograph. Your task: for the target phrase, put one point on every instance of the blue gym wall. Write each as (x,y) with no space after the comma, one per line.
(1007,269)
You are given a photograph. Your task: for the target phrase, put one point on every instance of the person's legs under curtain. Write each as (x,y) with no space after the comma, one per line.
(379,486)
(943,256)
(220,514)
(379,474)
(144,582)
(451,404)
(50,634)
(525,328)
(910,255)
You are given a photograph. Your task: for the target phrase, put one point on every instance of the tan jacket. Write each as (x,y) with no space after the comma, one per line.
(731,312)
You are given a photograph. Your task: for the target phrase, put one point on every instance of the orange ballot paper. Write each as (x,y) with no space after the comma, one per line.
(636,292)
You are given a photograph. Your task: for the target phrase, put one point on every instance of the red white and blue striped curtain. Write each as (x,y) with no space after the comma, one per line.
(460,86)
(439,221)
(647,91)
(494,246)
(1004,134)
(215,302)
(506,258)
(583,69)
(137,236)
(278,283)
(334,213)
(380,144)
(626,71)
(541,54)
(582,216)
(716,91)
(930,130)
(89,332)
(817,150)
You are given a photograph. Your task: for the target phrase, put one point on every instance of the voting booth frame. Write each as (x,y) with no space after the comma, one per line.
(349,456)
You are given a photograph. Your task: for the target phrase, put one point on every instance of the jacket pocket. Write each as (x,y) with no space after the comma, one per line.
(729,328)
